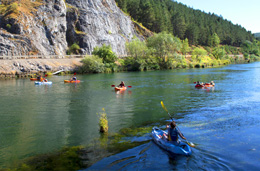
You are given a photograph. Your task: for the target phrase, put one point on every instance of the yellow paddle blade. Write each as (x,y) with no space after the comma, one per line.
(190,144)
(163,106)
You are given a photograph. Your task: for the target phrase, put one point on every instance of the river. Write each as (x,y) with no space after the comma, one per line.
(222,121)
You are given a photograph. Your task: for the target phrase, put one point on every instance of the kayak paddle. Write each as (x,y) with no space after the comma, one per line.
(127,86)
(189,143)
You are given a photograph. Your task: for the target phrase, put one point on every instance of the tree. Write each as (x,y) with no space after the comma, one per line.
(185,47)
(192,33)
(179,26)
(105,52)
(136,48)
(164,44)
(218,52)
(214,40)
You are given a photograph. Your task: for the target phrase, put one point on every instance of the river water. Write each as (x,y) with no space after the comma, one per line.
(223,121)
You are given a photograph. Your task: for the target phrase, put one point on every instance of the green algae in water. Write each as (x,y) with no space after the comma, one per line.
(79,157)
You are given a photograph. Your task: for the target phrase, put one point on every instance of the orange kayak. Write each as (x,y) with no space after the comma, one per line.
(120,88)
(68,81)
(34,79)
(208,85)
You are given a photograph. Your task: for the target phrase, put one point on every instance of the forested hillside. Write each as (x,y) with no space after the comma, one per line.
(184,22)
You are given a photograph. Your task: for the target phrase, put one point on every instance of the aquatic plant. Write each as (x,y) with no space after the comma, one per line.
(103,123)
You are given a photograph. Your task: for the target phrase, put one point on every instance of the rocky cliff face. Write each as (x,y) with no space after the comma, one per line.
(41,31)
(52,26)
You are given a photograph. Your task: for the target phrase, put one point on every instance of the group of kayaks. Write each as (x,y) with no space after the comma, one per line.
(204,85)
(200,85)
(159,136)
(37,81)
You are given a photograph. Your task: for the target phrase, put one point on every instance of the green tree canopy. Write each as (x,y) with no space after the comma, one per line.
(136,48)
(214,40)
(164,44)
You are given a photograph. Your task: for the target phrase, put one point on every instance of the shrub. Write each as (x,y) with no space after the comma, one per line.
(105,52)
(73,49)
(92,65)
(152,63)
(8,26)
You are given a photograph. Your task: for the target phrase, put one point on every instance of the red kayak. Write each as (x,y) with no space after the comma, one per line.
(198,85)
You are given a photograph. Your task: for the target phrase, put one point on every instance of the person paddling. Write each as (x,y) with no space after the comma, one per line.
(73,78)
(122,84)
(174,133)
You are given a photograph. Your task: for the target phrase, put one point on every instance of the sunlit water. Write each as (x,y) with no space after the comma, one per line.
(222,121)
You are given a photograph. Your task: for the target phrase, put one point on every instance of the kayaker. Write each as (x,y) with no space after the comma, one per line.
(212,83)
(173,133)
(122,84)
(199,83)
(73,78)
(39,78)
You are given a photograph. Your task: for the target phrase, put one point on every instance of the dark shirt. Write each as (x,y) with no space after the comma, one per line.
(173,134)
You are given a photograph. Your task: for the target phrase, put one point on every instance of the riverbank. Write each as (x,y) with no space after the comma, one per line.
(25,67)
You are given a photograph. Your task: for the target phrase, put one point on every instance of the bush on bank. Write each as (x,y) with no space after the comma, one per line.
(164,51)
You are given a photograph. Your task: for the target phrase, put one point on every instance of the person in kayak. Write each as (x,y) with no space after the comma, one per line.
(73,78)
(199,83)
(212,83)
(173,133)
(122,84)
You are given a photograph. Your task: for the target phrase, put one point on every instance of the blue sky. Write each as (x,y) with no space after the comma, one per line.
(242,12)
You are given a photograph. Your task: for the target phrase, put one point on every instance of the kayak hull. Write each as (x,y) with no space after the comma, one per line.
(42,83)
(199,86)
(34,79)
(161,141)
(120,88)
(68,81)
(208,85)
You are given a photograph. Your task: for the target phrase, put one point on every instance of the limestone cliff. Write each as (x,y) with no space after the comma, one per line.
(50,27)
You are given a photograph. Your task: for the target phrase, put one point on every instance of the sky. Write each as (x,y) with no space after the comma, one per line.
(242,12)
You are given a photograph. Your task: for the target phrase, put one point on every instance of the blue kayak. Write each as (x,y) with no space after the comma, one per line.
(161,140)
(42,83)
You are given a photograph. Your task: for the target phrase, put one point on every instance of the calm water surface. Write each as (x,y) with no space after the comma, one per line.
(223,121)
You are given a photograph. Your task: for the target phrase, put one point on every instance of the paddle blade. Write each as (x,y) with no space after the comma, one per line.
(112,85)
(164,106)
(194,82)
(129,86)
(75,73)
(190,144)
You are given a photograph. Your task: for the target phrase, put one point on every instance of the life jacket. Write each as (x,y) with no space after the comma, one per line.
(173,134)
